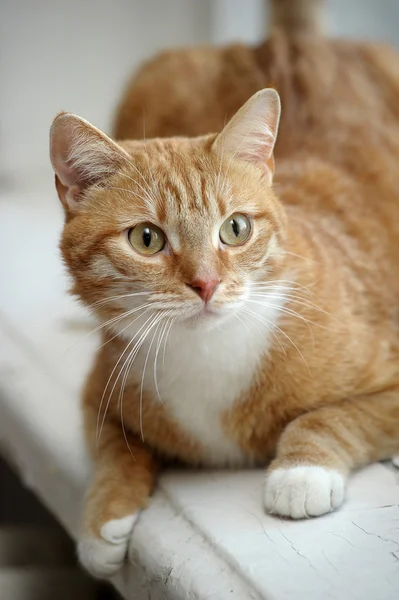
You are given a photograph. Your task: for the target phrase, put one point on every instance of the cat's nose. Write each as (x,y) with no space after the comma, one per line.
(205,288)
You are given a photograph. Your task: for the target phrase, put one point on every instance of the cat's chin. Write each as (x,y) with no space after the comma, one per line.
(207,318)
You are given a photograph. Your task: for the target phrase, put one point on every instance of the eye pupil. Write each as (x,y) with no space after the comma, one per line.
(236,230)
(146,237)
(235,227)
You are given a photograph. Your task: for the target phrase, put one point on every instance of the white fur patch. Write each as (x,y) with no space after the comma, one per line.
(395,461)
(103,557)
(206,371)
(302,492)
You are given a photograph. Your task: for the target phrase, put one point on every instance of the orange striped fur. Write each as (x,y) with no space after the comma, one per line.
(321,395)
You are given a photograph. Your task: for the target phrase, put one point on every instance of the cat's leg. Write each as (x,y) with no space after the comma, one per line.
(318,450)
(123,478)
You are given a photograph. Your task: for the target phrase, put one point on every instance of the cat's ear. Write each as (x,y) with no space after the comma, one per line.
(251,134)
(81,156)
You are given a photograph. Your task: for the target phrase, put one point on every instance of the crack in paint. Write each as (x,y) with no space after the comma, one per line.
(389,540)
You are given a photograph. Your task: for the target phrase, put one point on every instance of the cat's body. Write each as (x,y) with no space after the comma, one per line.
(295,351)
(336,156)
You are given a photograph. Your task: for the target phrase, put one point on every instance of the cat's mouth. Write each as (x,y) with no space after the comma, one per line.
(207,315)
(205,311)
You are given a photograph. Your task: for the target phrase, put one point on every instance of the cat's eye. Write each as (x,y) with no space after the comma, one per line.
(147,238)
(235,230)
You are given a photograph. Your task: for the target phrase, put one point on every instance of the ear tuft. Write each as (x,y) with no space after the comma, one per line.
(252,132)
(81,156)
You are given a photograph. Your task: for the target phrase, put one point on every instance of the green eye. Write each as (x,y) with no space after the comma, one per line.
(147,238)
(235,230)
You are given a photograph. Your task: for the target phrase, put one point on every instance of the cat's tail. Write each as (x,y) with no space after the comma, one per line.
(298,16)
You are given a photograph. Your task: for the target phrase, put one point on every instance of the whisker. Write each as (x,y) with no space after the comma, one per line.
(286,336)
(278,282)
(121,331)
(127,366)
(172,321)
(285,310)
(143,375)
(161,335)
(266,322)
(120,317)
(134,352)
(295,298)
(300,301)
(150,170)
(98,434)
(141,175)
(98,428)
(111,298)
(300,256)
(292,295)
(241,321)
(151,198)
(219,173)
(159,295)
(291,313)
(112,321)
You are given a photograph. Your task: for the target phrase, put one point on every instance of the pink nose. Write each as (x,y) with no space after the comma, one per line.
(205,288)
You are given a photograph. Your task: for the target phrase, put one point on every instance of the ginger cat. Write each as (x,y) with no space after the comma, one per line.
(248,316)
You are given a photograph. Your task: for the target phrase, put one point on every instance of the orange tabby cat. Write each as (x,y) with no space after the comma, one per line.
(246,316)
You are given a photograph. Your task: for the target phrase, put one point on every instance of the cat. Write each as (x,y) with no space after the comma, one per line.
(249,316)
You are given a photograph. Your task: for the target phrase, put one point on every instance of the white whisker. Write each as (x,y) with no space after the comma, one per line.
(161,335)
(143,375)
(172,321)
(219,172)
(112,298)
(106,324)
(283,309)
(119,333)
(127,366)
(241,321)
(151,198)
(285,335)
(294,298)
(134,352)
(114,385)
(300,256)
(279,282)
(266,322)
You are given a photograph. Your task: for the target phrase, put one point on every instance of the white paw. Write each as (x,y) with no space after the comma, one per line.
(301,492)
(395,460)
(103,556)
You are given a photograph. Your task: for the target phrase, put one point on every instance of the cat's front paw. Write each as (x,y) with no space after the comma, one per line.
(303,491)
(103,556)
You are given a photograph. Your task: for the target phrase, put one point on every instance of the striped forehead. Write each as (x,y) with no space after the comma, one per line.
(188,207)
(189,190)
(191,211)
(179,179)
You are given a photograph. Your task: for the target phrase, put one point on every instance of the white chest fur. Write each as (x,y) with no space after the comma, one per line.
(205,372)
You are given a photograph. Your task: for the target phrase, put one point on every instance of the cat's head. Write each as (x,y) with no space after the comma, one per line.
(175,228)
